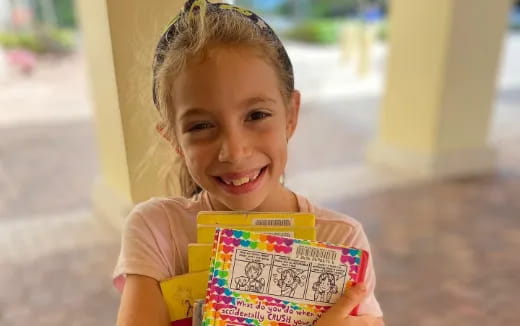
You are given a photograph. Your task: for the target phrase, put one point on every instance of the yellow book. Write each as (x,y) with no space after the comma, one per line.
(265,219)
(199,257)
(180,293)
(206,233)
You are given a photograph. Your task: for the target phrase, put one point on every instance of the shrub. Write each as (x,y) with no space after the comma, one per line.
(323,31)
(42,41)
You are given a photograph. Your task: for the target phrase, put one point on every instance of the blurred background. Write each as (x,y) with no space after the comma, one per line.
(410,122)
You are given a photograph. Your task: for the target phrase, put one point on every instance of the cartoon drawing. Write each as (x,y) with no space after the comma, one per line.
(324,287)
(241,283)
(289,280)
(186,299)
(252,280)
(189,308)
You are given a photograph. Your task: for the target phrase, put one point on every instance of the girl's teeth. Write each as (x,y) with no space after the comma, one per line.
(241,181)
(257,174)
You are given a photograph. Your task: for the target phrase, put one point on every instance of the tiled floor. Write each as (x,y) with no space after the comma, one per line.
(446,253)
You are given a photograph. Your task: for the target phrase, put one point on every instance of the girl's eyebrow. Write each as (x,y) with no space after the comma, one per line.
(257,99)
(191,112)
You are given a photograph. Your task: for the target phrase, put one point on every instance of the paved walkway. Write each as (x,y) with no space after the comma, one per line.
(446,249)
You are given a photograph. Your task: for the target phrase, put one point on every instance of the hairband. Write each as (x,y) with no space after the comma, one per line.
(193,7)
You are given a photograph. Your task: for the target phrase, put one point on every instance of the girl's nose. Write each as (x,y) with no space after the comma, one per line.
(234,148)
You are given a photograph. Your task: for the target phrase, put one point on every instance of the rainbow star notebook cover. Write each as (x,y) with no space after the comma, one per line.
(259,279)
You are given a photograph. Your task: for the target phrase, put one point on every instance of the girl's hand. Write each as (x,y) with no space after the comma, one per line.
(339,314)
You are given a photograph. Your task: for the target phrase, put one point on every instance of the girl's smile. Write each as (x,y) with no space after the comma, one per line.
(242,182)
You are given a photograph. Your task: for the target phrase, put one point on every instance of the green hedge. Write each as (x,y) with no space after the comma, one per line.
(327,31)
(50,41)
(323,31)
(383,32)
(21,40)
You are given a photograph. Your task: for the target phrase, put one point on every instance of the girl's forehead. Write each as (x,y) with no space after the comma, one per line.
(225,77)
(224,56)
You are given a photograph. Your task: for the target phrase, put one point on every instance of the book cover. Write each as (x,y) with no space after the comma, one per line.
(266,219)
(259,279)
(199,256)
(180,293)
(205,233)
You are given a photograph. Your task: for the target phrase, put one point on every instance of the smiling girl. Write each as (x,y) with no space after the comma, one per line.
(224,88)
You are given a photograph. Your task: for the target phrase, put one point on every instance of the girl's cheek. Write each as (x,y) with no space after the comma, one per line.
(195,159)
(274,135)
(274,128)
(195,147)
(198,138)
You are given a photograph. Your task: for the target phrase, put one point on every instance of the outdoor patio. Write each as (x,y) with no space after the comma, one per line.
(445,252)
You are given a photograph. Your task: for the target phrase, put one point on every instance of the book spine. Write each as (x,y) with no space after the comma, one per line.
(361,275)
(209,309)
(251,219)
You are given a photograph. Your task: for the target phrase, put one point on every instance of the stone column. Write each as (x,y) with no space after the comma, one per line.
(119,39)
(442,68)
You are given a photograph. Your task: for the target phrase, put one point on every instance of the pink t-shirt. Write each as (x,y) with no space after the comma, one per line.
(157,232)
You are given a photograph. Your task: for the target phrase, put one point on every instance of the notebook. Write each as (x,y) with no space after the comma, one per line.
(180,294)
(260,279)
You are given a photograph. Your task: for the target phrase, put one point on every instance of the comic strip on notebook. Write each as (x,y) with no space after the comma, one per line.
(261,279)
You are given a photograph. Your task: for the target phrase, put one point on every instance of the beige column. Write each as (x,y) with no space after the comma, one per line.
(119,37)
(440,86)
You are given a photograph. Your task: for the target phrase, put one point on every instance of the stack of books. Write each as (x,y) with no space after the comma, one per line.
(184,294)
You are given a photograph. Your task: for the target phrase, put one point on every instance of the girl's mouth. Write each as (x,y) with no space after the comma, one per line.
(243,184)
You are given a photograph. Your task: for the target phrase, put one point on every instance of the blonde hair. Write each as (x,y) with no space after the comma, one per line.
(195,35)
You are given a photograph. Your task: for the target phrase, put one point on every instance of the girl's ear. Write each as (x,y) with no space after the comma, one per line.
(179,150)
(293,113)
(161,130)
(160,127)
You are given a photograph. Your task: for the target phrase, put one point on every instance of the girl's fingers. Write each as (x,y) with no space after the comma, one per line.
(346,303)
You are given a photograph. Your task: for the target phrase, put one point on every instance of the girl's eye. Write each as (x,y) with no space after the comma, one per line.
(199,126)
(257,115)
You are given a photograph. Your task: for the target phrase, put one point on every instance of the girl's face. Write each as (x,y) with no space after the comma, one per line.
(288,279)
(325,285)
(253,273)
(232,128)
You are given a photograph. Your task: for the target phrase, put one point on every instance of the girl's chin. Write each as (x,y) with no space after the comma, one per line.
(242,203)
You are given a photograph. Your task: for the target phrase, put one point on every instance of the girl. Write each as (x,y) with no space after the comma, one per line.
(224,88)
(288,282)
(325,287)
(252,280)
